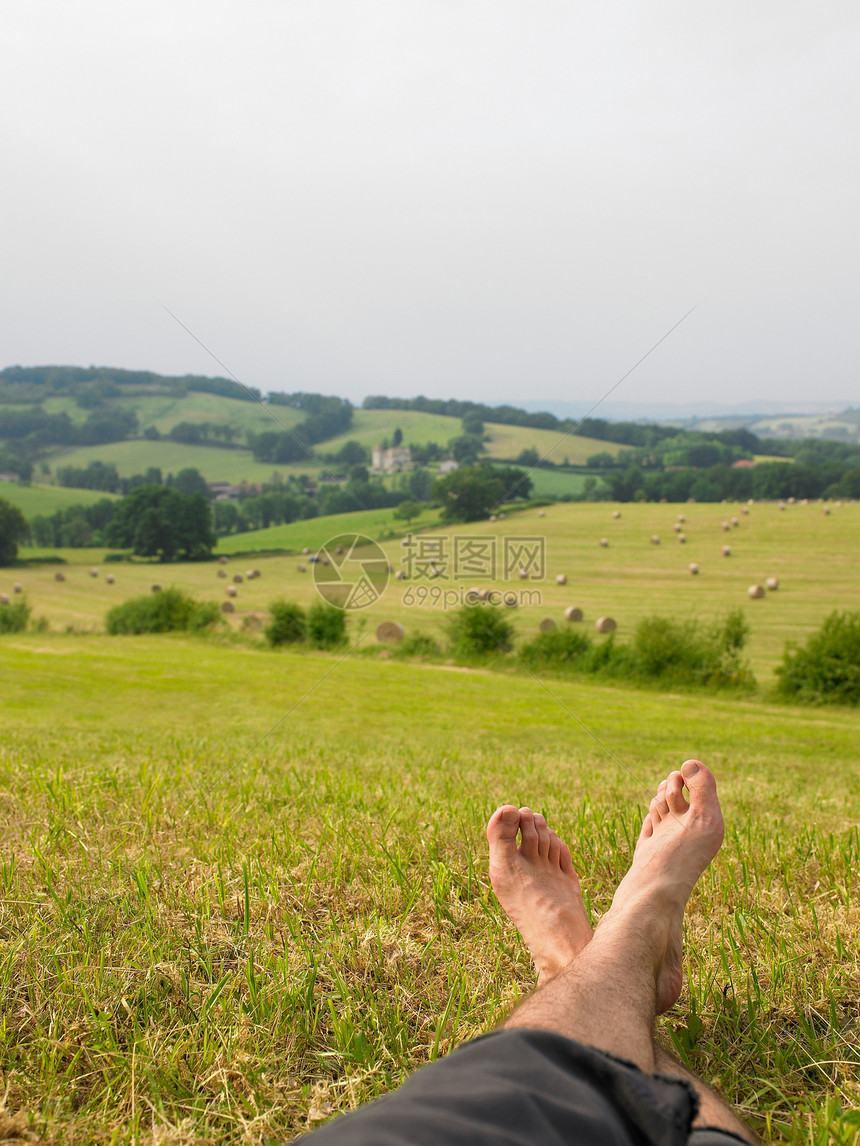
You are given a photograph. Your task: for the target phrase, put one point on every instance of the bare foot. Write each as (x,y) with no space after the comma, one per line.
(677,842)
(538,887)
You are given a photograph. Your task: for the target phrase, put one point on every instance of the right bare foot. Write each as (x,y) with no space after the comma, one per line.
(538,887)
(677,842)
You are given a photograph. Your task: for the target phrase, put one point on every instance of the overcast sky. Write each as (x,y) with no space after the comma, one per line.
(494,199)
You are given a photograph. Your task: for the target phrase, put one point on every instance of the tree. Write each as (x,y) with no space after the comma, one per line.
(528,457)
(397,437)
(13,528)
(469,493)
(472,423)
(190,481)
(466,448)
(156,521)
(407,510)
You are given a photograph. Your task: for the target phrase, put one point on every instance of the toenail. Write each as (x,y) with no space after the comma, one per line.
(692,767)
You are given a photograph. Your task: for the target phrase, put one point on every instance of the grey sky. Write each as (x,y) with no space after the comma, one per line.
(490,199)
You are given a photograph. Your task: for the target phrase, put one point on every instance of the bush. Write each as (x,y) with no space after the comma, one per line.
(558,650)
(417,645)
(685,652)
(326,626)
(827,669)
(164,612)
(288,624)
(478,631)
(14,616)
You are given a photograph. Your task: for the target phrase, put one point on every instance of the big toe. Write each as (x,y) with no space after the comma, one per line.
(700,783)
(503,827)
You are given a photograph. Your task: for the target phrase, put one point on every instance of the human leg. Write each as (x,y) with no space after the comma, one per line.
(537,887)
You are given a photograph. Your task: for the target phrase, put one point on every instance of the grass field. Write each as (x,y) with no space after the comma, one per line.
(36,499)
(814,556)
(242,891)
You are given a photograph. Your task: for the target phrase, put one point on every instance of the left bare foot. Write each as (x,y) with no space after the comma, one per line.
(538,887)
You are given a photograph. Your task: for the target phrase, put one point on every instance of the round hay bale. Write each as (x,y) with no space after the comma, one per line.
(681,517)
(791,501)
(222,573)
(561,579)
(237,578)
(605,625)
(473,597)
(228,607)
(604,543)
(325,561)
(4,598)
(756,591)
(94,572)
(300,568)
(59,576)
(524,574)
(693,567)
(400,575)
(155,588)
(573,614)
(338,549)
(735,523)
(804,501)
(782,505)
(510,599)
(772,583)
(725,527)
(839,505)
(745,511)
(826,510)
(483,594)
(250,575)
(231,590)
(616,514)
(682,537)
(548,625)
(306,551)
(222,560)
(492,517)
(726,551)
(110,578)
(677,527)
(390,632)
(542,513)
(501,517)
(17,587)
(655,540)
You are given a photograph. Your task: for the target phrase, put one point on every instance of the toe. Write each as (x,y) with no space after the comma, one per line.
(503,826)
(675,794)
(700,782)
(529,834)
(543,836)
(554,849)
(564,859)
(656,811)
(647,828)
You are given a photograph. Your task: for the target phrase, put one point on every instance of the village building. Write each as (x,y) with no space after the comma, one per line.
(392,460)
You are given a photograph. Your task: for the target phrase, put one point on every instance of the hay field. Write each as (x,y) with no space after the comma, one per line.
(242,891)
(814,556)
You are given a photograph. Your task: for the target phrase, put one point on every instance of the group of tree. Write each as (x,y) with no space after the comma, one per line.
(472,492)
(156,521)
(766,480)
(13,529)
(325,418)
(105,477)
(35,383)
(42,429)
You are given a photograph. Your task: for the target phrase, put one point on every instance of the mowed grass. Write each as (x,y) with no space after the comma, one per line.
(243,891)
(813,555)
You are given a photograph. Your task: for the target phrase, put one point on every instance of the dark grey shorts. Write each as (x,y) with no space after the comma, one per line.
(526,1087)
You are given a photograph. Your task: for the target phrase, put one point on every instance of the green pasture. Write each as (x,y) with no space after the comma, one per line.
(138,454)
(243,891)
(36,499)
(813,555)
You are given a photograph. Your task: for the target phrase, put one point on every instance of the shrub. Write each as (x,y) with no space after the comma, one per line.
(326,626)
(558,650)
(827,668)
(686,652)
(287,626)
(417,645)
(14,616)
(165,612)
(478,631)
